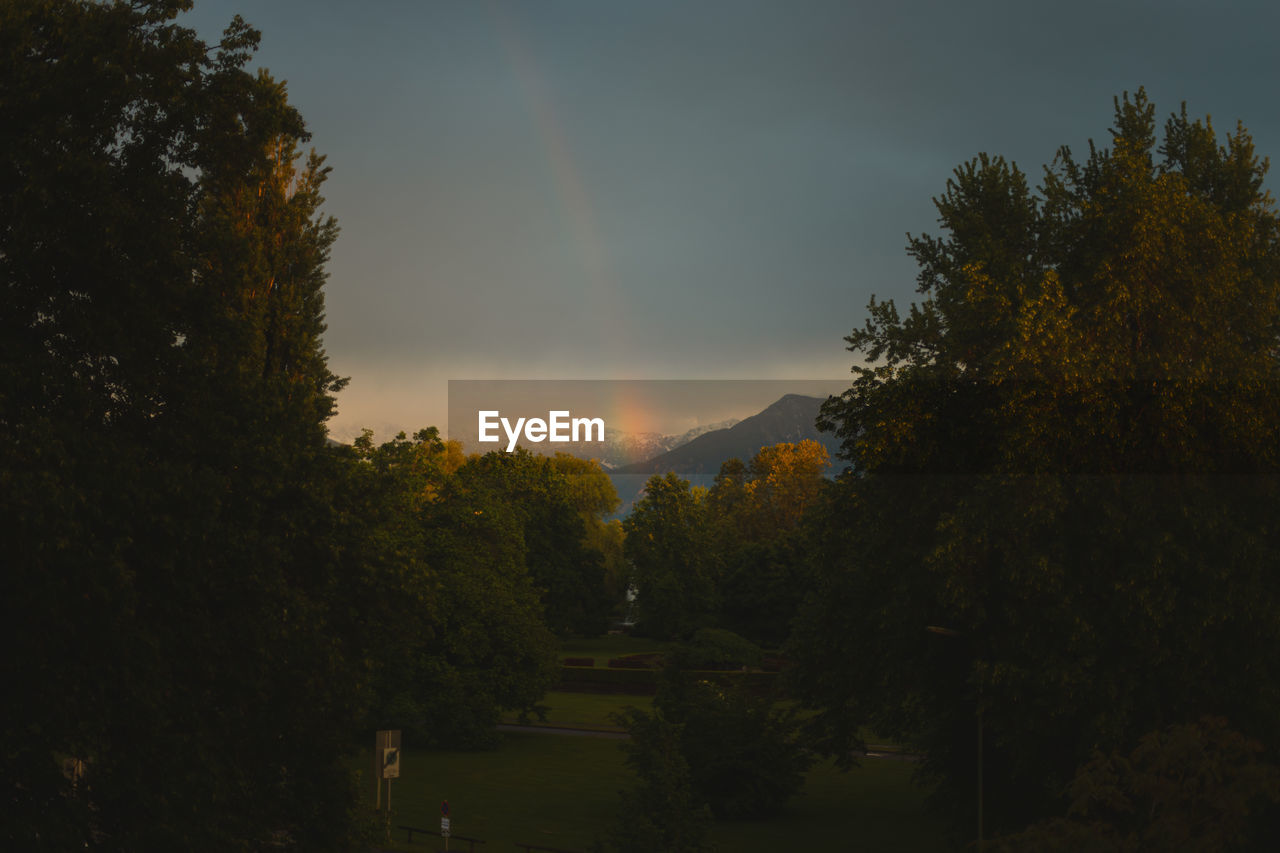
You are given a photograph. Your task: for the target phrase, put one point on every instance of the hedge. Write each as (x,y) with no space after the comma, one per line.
(644,682)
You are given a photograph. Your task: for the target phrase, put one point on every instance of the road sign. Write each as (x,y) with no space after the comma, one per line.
(391,762)
(386,761)
(444,808)
(444,827)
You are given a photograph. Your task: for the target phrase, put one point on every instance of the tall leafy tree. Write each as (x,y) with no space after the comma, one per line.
(438,584)
(170,578)
(1065,457)
(758,516)
(661,811)
(550,501)
(668,546)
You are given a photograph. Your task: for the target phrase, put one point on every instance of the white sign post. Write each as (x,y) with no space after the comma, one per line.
(444,831)
(386,763)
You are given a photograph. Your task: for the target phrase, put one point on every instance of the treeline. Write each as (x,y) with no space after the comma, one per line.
(1051,564)
(1052,555)
(732,556)
(203,604)
(462,573)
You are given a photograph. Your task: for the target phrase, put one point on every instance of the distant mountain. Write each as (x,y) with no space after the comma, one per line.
(623,449)
(792,418)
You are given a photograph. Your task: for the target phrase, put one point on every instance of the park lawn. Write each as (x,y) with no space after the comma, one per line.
(609,646)
(595,711)
(563,791)
(872,807)
(583,710)
(553,790)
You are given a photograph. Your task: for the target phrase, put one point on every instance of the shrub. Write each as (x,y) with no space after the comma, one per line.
(742,756)
(716,648)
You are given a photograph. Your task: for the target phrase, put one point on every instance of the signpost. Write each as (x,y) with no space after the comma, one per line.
(391,762)
(386,764)
(444,823)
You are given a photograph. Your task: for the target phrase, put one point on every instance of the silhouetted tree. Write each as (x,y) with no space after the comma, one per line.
(163,476)
(1066,454)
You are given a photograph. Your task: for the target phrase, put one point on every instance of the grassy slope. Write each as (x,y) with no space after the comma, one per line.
(584,710)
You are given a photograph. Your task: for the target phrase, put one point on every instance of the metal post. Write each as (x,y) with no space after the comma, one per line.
(981,845)
(387,813)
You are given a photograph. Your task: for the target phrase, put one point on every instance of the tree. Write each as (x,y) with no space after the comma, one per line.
(1197,786)
(661,812)
(551,502)
(785,480)
(758,515)
(591,491)
(436,591)
(169,592)
(723,747)
(667,546)
(1065,456)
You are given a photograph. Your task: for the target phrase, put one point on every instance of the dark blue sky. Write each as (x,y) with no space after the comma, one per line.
(693,189)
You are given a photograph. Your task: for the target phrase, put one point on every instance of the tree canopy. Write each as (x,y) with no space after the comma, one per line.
(667,547)
(1064,456)
(169,591)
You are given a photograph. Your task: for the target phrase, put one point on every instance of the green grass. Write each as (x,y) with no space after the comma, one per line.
(562,791)
(610,646)
(872,807)
(595,710)
(584,710)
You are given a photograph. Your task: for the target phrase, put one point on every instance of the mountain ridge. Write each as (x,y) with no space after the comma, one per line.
(791,418)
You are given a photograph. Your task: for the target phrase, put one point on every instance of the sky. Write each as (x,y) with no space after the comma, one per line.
(685,189)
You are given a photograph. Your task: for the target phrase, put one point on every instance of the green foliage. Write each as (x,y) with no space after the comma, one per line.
(443,590)
(1196,787)
(741,753)
(663,811)
(759,518)
(668,547)
(716,648)
(1066,454)
(164,487)
(591,492)
(733,556)
(576,799)
(547,505)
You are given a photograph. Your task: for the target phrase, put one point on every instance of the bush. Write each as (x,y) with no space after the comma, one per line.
(644,682)
(716,648)
(742,755)
(1197,787)
(640,661)
(663,811)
